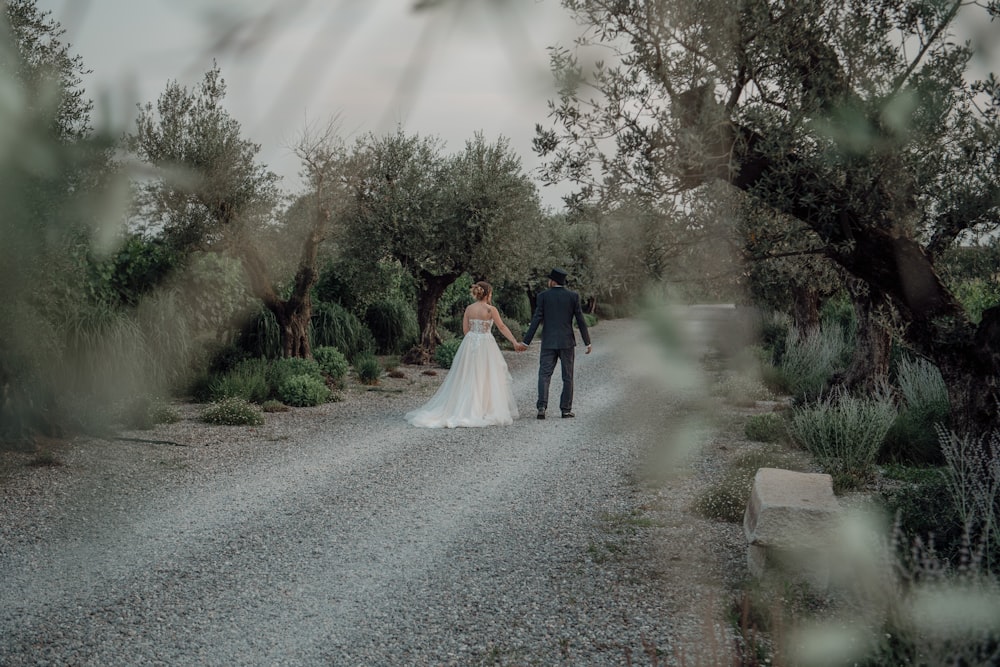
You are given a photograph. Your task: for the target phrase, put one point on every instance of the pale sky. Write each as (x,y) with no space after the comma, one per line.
(465,66)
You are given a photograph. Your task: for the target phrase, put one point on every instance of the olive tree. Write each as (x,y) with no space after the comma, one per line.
(861,120)
(440,215)
(210,193)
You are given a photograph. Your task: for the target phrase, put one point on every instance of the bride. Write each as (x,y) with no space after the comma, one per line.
(478,389)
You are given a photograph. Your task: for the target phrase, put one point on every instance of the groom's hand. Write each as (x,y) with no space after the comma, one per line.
(520,347)
(589,348)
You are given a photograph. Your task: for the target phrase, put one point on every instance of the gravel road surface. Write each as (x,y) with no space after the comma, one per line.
(340,535)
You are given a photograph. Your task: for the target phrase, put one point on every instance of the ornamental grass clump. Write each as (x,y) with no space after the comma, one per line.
(913,438)
(768,427)
(248,379)
(844,433)
(232,411)
(368,369)
(808,361)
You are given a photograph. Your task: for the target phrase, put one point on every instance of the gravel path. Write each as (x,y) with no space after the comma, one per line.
(340,535)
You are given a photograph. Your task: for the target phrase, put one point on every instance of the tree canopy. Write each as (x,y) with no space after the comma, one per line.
(441,215)
(861,120)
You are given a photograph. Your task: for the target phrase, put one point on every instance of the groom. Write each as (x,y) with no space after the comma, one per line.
(556,309)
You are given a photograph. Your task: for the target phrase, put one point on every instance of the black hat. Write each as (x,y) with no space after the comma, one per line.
(558,276)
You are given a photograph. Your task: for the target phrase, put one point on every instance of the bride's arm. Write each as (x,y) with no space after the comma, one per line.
(504,329)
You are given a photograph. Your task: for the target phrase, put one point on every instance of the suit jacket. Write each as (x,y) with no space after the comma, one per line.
(555,309)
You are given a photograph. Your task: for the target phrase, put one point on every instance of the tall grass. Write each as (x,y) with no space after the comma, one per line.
(810,360)
(913,437)
(973,474)
(335,326)
(844,433)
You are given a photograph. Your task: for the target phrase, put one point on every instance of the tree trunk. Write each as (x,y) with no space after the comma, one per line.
(293,324)
(432,287)
(870,360)
(805,302)
(295,313)
(869,246)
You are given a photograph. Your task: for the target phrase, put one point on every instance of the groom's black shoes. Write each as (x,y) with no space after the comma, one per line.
(567,414)
(541,414)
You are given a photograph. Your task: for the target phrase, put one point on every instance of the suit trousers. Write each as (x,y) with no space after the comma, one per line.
(546,366)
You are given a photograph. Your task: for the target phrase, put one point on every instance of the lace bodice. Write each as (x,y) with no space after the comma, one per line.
(480,326)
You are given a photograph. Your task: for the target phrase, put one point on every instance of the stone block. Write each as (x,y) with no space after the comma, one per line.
(790,522)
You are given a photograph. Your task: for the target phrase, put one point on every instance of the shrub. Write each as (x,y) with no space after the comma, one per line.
(844,433)
(590,319)
(920,501)
(304,390)
(768,427)
(333,325)
(282,369)
(977,295)
(332,363)
(444,353)
(810,360)
(232,411)
(247,380)
(273,405)
(973,476)
(912,437)
(393,324)
(368,369)
(261,335)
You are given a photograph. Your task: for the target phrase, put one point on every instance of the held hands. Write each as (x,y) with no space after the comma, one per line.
(589,348)
(520,347)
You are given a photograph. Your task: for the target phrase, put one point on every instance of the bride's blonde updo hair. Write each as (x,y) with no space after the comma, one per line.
(481,290)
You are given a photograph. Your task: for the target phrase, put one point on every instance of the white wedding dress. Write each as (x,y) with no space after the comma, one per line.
(478,390)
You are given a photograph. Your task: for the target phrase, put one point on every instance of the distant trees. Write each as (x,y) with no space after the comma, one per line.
(211,193)
(441,215)
(859,120)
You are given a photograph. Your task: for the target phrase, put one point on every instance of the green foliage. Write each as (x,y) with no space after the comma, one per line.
(368,369)
(456,298)
(977,295)
(232,411)
(331,362)
(393,324)
(211,185)
(513,302)
(274,405)
(810,361)
(137,267)
(444,353)
(913,438)
(334,326)
(973,474)
(282,369)
(249,380)
(920,501)
(303,390)
(260,336)
(844,433)
(768,427)
(589,318)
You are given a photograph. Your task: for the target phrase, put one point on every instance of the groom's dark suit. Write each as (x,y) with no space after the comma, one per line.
(556,309)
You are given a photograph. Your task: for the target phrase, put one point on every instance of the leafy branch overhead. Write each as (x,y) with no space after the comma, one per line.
(861,120)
